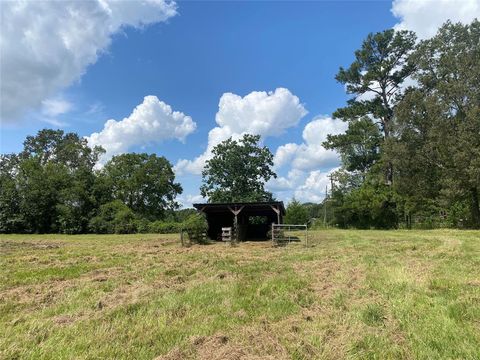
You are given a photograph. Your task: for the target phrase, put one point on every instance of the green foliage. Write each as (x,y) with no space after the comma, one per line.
(381,66)
(142,225)
(196,226)
(125,222)
(238,171)
(114,217)
(145,183)
(359,146)
(296,213)
(429,156)
(47,187)
(437,147)
(51,186)
(11,219)
(372,205)
(161,227)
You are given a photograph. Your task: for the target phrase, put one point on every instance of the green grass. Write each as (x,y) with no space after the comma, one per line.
(353,294)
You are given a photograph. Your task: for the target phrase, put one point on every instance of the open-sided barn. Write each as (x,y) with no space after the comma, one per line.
(253,220)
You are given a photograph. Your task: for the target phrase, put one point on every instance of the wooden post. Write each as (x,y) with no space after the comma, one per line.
(278,213)
(235,221)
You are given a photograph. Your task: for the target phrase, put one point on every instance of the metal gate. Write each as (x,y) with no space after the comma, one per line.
(283,234)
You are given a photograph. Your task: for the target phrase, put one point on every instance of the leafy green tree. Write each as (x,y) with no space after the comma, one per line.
(145,183)
(370,205)
(238,171)
(11,219)
(296,213)
(62,165)
(47,187)
(39,191)
(439,120)
(415,159)
(55,146)
(359,146)
(375,79)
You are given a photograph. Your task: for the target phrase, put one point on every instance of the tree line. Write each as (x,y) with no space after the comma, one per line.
(411,153)
(52,186)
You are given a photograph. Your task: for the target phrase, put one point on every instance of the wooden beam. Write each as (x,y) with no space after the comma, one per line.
(274,208)
(236,211)
(277,210)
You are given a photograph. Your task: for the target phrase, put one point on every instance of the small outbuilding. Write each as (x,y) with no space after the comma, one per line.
(252,220)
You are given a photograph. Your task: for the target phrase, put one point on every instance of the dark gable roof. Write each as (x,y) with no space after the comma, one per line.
(252,205)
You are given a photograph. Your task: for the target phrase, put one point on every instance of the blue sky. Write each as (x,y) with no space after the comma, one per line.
(188,55)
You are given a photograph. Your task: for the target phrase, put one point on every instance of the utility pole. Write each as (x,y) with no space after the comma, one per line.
(325,207)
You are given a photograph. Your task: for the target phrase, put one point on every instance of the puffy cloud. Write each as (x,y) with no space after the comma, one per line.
(305,186)
(426,16)
(304,181)
(311,154)
(313,189)
(282,183)
(186,201)
(260,112)
(152,121)
(47,45)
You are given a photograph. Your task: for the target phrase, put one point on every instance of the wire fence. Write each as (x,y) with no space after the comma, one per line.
(283,234)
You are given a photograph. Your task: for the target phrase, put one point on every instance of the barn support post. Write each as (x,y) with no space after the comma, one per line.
(235,212)
(277,211)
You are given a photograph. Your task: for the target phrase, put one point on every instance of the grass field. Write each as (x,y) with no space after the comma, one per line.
(354,294)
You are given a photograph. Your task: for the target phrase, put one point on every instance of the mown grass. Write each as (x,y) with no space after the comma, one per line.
(353,294)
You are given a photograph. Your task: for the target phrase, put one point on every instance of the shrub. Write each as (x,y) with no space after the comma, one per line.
(99,225)
(124,222)
(162,227)
(196,226)
(70,220)
(143,225)
(113,217)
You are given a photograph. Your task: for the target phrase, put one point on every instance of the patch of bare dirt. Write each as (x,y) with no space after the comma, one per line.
(63,320)
(10,246)
(250,343)
(38,295)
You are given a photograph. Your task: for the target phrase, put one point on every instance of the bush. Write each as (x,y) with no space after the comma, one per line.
(70,220)
(99,225)
(113,217)
(143,225)
(162,227)
(196,226)
(124,222)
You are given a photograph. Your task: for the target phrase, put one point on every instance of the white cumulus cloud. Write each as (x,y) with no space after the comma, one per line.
(426,16)
(152,121)
(187,201)
(311,154)
(47,45)
(313,189)
(262,113)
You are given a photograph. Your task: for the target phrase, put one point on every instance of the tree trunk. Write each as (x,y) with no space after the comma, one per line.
(475,208)
(386,132)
